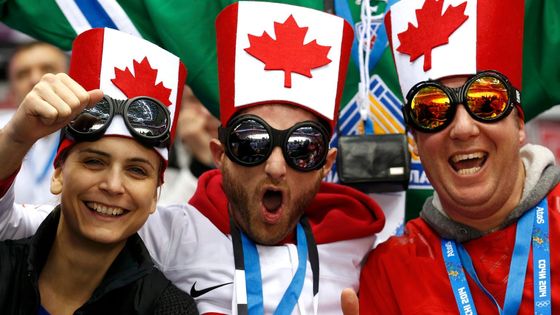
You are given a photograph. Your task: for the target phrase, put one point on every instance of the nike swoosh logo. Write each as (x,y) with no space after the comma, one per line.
(196,293)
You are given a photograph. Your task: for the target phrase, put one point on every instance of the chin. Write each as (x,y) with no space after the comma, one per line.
(109,238)
(267,237)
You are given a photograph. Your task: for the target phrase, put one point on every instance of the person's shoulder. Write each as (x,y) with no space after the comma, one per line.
(167,298)
(174,301)
(15,250)
(417,239)
(555,191)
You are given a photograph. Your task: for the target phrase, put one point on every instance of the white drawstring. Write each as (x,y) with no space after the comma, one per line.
(364,50)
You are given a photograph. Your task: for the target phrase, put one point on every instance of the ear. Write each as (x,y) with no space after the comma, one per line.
(157,193)
(331,158)
(154,207)
(522,133)
(56,181)
(218,152)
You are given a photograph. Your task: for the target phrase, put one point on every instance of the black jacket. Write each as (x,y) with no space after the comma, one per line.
(132,284)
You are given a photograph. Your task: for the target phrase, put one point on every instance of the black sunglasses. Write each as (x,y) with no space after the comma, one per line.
(487,96)
(146,118)
(249,140)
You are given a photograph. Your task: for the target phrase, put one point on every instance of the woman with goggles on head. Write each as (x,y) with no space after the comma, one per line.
(86,257)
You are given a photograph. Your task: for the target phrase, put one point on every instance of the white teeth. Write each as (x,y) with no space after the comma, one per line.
(469,171)
(104,209)
(462,157)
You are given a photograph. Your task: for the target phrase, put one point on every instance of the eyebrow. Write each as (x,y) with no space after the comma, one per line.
(98,152)
(107,155)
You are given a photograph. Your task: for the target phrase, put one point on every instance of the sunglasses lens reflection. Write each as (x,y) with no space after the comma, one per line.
(487,98)
(430,107)
(306,147)
(147,118)
(249,142)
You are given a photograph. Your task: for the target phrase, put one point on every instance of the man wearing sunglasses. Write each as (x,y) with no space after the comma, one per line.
(485,243)
(292,241)
(262,234)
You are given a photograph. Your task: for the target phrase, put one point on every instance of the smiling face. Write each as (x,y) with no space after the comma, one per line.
(475,167)
(267,200)
(107,192)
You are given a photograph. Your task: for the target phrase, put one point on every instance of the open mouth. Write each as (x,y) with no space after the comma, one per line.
(106,210)
(468,164)
(272,200)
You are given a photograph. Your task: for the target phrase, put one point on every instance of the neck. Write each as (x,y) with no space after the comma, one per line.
(497,214)
(74,269)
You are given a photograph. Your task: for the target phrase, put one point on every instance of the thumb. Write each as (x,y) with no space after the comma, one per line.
(349,302)
(94,97)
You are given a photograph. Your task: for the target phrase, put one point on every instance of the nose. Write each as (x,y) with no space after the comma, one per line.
(463,126)
(112,182)
(275,166)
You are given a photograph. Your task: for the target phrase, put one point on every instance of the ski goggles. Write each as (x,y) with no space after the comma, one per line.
(249,141)
(488,97)
(146,118)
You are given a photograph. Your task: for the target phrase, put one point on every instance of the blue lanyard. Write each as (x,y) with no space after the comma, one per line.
(456,275)
(247,259)
(532,225)
(541,261)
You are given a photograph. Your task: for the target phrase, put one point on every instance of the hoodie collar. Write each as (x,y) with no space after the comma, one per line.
(541,177)
(336,213)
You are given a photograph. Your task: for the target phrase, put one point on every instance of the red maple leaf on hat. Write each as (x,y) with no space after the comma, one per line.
(288,52)
(434,29)
(142,82)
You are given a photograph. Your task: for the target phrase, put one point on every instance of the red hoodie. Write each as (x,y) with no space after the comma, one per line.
(336,213)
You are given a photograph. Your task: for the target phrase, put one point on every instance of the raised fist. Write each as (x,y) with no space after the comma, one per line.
(51,104)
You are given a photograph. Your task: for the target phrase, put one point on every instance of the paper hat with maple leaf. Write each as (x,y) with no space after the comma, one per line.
(278,53)
(432,39)
(125,66)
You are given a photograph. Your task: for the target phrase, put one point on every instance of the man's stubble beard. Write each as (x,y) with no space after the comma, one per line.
(239,200)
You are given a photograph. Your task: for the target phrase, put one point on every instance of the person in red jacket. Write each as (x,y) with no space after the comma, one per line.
(484,242)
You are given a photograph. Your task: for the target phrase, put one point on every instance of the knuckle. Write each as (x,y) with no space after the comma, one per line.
(49,113)
(61,76)
(83,98)
(49,78)
(74,101)
(64,112)
(40,87)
